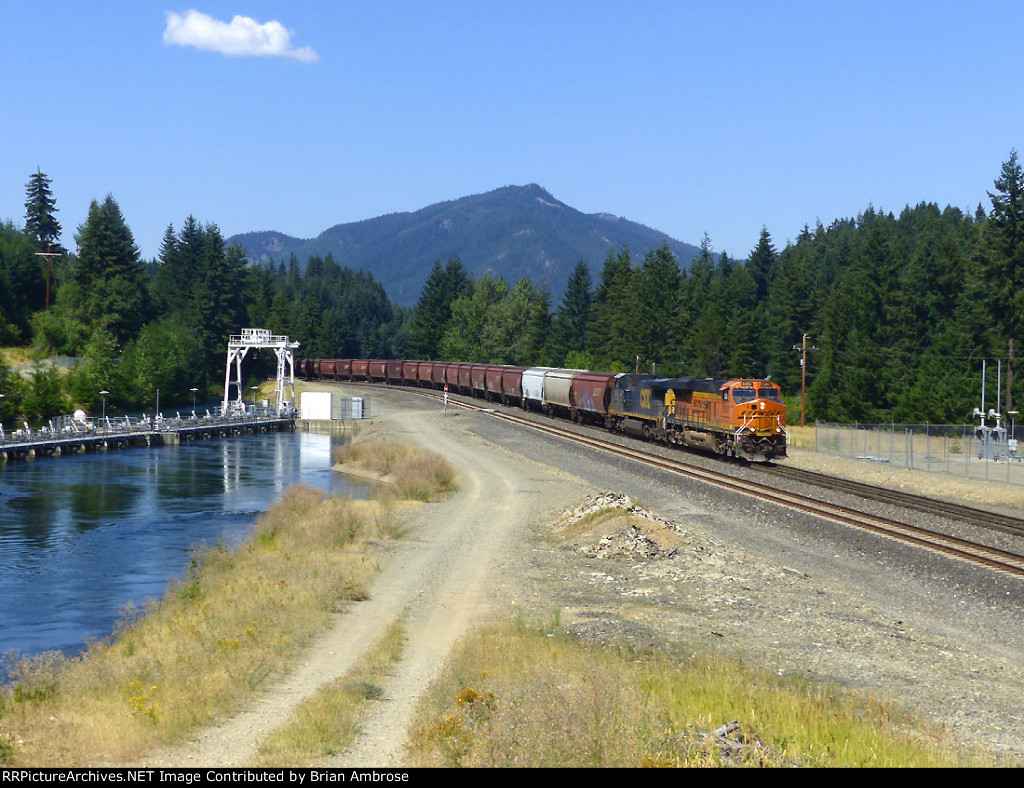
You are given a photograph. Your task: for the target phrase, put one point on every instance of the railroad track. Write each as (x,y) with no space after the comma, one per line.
(967,550)
(954,511)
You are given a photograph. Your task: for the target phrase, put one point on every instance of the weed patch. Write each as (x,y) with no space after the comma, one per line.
(415,475)
(514,696)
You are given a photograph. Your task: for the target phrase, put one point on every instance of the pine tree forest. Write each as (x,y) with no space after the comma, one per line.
(900,310)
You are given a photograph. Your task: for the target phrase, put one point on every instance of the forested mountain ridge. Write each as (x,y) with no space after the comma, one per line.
(903,310)
(512,232)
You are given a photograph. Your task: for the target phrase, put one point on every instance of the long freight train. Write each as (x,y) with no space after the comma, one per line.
(742,418)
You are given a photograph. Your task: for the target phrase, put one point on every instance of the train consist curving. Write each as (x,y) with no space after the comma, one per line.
(742,418)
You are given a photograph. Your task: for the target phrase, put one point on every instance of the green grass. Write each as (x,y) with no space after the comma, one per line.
(16,355)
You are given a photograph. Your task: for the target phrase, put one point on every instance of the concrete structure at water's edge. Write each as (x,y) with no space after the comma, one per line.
(256,339)
(76,434)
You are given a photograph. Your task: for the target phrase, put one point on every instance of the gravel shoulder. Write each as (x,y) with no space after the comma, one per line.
(712,571)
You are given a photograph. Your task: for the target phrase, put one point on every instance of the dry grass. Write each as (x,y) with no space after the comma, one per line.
(800,437)
(515,697)
(327,724)
(416,475)
(17,355)
(238,621)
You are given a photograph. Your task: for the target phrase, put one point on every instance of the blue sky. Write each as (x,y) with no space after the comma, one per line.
(690,117)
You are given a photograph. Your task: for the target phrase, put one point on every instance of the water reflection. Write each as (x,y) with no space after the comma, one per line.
(82,536)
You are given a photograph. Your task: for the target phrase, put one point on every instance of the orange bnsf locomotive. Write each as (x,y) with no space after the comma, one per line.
(741,418)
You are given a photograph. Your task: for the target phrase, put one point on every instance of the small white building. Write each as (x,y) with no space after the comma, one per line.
(316,405)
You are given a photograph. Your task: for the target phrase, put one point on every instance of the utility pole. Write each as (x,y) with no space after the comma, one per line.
(1009,380)
(803,375)
(47,254)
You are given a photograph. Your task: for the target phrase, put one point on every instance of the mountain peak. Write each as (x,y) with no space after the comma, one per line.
(512,231)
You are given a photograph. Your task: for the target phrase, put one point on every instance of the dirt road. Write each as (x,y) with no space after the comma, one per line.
(439,579)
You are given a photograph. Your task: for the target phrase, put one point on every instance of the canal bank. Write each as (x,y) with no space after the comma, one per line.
(84,538)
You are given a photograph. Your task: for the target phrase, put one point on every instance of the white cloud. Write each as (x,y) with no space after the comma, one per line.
(242,37)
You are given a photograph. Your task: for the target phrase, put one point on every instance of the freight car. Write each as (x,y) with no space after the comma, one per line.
(742,417)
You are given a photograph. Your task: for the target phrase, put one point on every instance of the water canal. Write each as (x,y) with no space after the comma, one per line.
(83,536)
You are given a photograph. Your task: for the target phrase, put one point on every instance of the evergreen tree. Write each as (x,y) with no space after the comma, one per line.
(1006,235)
(657,294)
(433,311)
(108,272)
(22,284)
(571,325)
(165,285)
(41,224)
(215,308)
(430,317)
(761,266)
(259,292)
(744,319)
(613,333)
(790,310)
(701,321)
(181,267)
(532,308)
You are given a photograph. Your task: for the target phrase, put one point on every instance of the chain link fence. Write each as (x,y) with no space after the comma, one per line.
(966,450)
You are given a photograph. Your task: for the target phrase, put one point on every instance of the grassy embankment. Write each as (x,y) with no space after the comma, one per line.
(237,622)
(521,696)
(536,696)
(411,474)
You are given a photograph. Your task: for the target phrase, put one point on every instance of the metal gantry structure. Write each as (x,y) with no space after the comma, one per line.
(257,339)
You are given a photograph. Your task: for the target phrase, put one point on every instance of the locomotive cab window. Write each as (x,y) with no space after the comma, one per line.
(743,395)
(769,393)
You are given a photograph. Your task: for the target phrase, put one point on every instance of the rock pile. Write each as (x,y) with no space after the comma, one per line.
(634,537)
(608,500)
